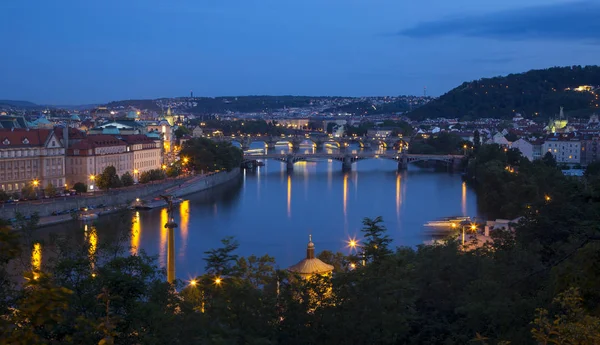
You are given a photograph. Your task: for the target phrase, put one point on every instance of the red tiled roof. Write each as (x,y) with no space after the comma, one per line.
(23,137)
(137,139)
(100,140)
(74,133)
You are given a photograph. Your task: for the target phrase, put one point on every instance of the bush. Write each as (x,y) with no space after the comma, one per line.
(80,187)
(127,179)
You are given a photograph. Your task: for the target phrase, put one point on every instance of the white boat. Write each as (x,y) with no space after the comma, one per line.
(448,221)
(86,217)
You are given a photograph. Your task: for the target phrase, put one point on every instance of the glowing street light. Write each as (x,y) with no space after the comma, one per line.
(193,282)
(548,198)
(164,167)
(185,160)
(218,281)
(36,183)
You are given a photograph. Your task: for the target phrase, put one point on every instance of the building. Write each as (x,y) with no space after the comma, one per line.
(589,148)
(146,152)
(197,132)
(88,158)
(525,147)
(566,148)
(30,156)
(537,148)
(311,265)
(379,133)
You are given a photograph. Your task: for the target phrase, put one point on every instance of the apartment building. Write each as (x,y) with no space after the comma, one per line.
(88,158)
(146,152)
(30,156)
(565,147)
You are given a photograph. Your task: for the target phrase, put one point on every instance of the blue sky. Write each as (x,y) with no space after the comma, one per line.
(75,52)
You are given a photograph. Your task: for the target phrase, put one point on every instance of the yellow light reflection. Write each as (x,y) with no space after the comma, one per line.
(93,241)
(464,199)
(398,194)
(184,214)
(164,218)
(289,196)
(345,193)
(36,260)
(136,228)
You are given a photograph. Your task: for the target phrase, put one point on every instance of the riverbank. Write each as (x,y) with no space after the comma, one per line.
(119,199)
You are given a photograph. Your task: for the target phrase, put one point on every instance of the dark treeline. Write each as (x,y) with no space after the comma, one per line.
(201,154)
(536,285)
(537,93)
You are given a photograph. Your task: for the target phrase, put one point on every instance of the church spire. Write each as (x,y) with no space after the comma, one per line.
(310,249)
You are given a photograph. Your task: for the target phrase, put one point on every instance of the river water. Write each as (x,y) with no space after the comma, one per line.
(272,212)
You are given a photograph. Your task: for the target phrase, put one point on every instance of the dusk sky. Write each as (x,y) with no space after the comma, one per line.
(78,52)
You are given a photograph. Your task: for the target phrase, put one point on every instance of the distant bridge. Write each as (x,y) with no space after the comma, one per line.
(403,159)
(317,141)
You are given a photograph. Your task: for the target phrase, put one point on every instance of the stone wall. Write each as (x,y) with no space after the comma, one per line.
(176,187)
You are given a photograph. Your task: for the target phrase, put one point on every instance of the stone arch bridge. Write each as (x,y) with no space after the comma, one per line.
(403,159)
(317,140)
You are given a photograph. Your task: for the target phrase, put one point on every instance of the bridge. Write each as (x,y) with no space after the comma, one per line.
(317,141)
(403,159)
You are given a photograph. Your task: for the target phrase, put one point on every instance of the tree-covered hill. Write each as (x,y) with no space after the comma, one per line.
(537,93)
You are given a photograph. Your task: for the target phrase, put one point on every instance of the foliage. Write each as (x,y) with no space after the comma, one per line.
(572,325)
(29,191)
(537,93)
(152,175)
(50,190)
(3,195)
(108,179)
(181,131)
(80,187)
(206,155)
(440,143)
(127,179)
(173,170)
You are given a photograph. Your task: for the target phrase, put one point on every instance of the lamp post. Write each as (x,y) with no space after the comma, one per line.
(465,149)
(36,183)
(472,227)
(92,179)
(135,175)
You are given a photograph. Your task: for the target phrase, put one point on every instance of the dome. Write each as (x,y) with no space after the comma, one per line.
(75,117)
(132,115)
(110,130)
(311,265)
(42,121)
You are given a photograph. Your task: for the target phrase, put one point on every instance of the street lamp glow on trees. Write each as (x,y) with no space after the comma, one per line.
(92,179)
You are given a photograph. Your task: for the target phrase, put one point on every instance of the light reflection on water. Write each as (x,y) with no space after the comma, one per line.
(271,211)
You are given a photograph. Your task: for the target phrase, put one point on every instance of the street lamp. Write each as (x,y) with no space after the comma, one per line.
(193,282)
(218,281)
(36,183)
(135,175)
(473,228)
(92,179)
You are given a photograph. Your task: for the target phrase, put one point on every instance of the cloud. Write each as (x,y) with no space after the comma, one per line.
(573,21)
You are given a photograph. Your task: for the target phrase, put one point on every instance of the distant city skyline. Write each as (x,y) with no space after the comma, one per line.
(84,53)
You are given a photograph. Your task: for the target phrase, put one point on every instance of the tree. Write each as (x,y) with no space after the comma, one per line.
(29,192)
(219,262)
(80,187)
(202,154)
(573,325)
(181,131)
(549,160)
(375,247)
(476,140)
(50,191)
(330,127)
(127,179)
(593,169)
(3,195)
(108,179)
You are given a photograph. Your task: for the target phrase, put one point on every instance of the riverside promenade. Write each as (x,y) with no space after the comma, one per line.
(111,199)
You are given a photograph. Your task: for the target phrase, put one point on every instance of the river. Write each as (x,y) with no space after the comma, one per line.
(272,212)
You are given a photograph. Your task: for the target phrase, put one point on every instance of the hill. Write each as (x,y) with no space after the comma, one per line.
(18,104)
(537,93)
